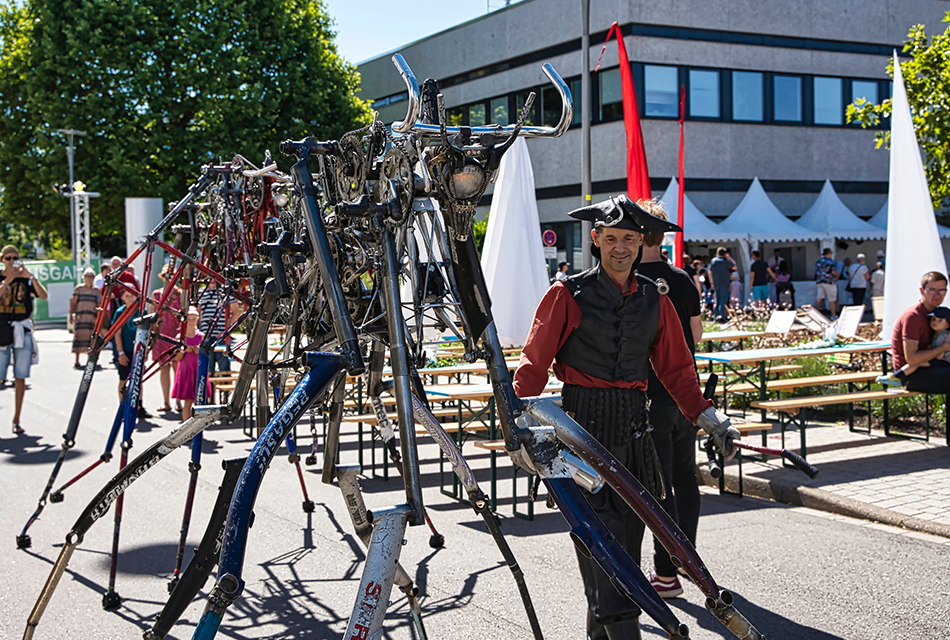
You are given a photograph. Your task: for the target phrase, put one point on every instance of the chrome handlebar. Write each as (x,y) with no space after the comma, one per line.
(410,124)
(415,105)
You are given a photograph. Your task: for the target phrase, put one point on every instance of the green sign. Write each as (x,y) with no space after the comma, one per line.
(60,278)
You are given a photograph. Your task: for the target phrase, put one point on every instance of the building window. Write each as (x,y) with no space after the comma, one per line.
(476,114)
(499,110)
(703,94)
(787,98)
(551,106)
(611,95)
(575,86)
(520,99)
(457,116)
(828,107)
(661,92)
(866,89)
(747,96)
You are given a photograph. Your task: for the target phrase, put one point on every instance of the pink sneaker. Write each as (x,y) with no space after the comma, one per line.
(666,587)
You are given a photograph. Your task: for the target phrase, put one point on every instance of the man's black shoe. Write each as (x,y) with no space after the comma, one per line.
(143,414)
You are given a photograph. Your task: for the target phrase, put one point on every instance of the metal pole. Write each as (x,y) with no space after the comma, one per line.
(70,153)
(587,260)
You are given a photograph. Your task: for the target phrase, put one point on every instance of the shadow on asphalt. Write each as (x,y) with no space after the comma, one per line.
(868,468)
(765,621)
(26,449)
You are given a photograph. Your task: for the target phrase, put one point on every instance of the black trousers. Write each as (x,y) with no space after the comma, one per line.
(612,416)
(675,441)
(612,615)
(932,379)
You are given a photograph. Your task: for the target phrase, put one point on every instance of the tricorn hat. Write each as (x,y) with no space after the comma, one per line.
(623,213)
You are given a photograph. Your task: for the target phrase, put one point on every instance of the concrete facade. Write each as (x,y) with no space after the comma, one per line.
(502,52)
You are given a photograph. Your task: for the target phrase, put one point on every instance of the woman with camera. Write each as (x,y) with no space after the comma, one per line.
(17,290)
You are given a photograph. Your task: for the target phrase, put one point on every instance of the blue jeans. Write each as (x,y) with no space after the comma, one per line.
(722,300)
(22,358)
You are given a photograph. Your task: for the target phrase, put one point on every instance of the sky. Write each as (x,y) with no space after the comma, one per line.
(369,28)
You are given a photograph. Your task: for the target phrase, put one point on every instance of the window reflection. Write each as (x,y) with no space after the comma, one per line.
(866,89)
(703,93)
(551,103)
(747,96)
(499,110)
(476,115)
(787,98)
(828,107)
(660,91)
(611,95)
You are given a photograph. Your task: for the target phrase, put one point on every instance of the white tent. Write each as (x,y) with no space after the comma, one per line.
(828,214)
(513,255)
(696,226)
(879,219)
(913,247)
(758,217)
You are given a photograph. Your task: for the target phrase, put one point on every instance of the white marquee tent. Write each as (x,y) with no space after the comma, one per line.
(758,217)
(829,215)
(879,219)
(696,226)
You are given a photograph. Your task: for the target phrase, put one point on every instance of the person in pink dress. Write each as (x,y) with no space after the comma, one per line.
(186,377)
(168,326)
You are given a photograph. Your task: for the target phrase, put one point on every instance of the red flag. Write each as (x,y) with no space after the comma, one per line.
(638,177)
(678,243)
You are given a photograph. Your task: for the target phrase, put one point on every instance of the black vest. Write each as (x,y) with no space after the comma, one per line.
(616,331)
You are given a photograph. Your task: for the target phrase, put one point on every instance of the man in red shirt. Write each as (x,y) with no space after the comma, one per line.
(910,341)
(602,328)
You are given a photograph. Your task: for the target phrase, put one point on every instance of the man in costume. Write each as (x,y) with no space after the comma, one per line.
(602,328)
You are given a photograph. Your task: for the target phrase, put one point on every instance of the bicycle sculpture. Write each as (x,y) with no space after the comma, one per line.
(362,256)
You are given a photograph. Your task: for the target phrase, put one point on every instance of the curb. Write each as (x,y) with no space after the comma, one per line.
(802,496)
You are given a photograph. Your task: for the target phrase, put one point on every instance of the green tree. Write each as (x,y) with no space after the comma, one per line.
(160,87)
(927,81)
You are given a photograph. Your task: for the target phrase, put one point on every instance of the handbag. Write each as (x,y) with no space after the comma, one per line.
(6,333)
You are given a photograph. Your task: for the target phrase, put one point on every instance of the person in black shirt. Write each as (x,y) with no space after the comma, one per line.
(760,279)
(17,289)
(673,434)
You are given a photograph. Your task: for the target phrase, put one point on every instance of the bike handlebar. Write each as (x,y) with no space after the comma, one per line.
(567,110)
(415,105)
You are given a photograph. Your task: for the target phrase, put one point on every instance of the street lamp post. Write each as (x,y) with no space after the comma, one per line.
(70,154)
(587,259)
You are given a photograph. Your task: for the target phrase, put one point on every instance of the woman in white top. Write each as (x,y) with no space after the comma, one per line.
(877,281)
(858,277)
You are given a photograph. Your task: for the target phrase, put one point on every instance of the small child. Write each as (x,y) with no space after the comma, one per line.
(940,324)
(186,377)
(735,291)
(125,339)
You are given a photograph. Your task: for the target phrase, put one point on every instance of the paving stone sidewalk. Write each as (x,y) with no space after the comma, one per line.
(891,480)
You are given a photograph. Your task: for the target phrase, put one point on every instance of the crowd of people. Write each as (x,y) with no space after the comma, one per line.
(175,350)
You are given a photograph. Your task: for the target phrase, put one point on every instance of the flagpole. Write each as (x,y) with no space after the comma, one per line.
(586,227)
(678,244)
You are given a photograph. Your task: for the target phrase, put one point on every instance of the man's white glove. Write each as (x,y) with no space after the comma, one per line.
(716,424)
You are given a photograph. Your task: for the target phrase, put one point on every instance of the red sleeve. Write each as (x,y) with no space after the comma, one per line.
(556,317)
(673,363)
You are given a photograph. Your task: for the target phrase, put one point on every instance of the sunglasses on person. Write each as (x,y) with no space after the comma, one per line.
(11,257)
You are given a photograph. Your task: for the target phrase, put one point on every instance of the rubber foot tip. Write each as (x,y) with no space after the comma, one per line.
(436,541)
(111,600)
(23,541)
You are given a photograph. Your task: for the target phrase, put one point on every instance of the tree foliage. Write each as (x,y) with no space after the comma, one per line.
(927,81)
(160,87)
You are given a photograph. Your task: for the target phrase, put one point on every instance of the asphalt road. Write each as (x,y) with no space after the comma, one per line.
(797,574)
